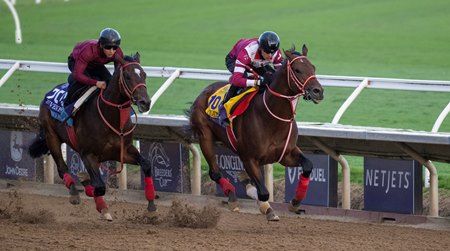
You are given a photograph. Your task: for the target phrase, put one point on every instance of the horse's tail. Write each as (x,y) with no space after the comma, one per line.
(39,146)
(188,129)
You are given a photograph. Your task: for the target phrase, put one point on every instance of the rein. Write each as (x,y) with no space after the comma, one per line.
(293,100)
(124,110)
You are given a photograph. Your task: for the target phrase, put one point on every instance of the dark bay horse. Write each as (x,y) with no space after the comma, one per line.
(265,133)
(102,130)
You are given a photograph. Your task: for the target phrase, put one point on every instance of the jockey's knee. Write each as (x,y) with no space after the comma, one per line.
(99,191)
(214,176)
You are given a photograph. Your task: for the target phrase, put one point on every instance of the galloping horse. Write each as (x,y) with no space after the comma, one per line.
(265,133)
(102,130)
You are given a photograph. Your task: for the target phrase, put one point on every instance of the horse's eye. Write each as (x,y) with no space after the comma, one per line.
(297,71)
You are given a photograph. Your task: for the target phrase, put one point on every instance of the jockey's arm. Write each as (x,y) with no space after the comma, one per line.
(242,63)
(78,72)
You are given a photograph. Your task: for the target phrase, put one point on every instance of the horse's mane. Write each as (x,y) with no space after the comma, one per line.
(129,58)
(293,51)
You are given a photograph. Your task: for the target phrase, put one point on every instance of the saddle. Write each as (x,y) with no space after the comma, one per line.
(55,98)
(231,109)
(234,107)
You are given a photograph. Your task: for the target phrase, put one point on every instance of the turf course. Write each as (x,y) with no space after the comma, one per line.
(393,39)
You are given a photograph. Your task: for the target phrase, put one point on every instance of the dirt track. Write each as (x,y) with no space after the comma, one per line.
(41,222)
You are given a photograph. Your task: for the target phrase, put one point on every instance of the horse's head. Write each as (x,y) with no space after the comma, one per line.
(132,82)
(301,75)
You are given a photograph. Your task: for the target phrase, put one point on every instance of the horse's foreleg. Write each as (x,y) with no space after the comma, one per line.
(94,186)
(254,172)
(54,145)
(134,157)
(297,158)
(207,147)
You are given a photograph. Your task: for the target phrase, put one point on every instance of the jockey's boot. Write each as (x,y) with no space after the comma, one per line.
(231,93)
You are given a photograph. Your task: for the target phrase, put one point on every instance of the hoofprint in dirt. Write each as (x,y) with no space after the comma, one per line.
(70,227)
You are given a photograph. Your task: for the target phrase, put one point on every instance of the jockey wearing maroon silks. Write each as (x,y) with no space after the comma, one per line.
(87,63)
(253,55)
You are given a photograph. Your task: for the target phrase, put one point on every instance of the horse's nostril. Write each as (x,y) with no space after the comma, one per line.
(316,91)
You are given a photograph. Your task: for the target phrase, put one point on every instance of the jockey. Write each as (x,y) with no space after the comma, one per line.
(254,53)
(87,63)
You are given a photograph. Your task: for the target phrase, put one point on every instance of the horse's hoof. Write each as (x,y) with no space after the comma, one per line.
(75,199)
(106,215)
(233,206)
(295,209)
(271,216)
(151,215)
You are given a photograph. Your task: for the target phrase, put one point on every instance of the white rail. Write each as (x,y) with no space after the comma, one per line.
(360,83)
(11,7)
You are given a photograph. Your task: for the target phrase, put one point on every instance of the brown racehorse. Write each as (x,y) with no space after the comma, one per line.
(103,131)
(265,133)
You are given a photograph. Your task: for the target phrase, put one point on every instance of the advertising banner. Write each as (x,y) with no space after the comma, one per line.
(322,190)
(15,162)
(392,185)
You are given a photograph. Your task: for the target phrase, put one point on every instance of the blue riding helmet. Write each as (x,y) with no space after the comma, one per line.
(269,41)
(109,37)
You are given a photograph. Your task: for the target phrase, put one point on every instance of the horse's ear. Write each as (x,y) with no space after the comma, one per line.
(304,50)
(287,53)
(137,57)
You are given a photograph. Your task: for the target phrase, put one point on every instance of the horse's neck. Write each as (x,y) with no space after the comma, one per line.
(281,107)
(112,93)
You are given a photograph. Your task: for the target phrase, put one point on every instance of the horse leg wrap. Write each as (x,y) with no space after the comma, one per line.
(100,203)
(226,186)
(68,180)
(99,191)
(89,190)
(263,206)
(149,189)
(251,191)
(302,187)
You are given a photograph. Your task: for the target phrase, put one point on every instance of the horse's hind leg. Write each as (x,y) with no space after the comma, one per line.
(207,146)
(297,158)
(134,157)
(54,145)
(95,187)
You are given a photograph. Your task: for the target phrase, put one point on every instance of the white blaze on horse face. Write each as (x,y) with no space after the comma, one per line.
(137,71)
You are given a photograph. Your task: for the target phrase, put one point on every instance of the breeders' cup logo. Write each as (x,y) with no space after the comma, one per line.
(76,165)
(160,163)
(16,146)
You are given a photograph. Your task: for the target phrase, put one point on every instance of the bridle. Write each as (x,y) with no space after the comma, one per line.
(124,109)
(292,99)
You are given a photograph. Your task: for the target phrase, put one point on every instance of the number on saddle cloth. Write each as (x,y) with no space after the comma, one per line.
(234,106)
(54,100)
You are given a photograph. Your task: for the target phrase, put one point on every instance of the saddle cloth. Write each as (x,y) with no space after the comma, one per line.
(54,100)
(233,108)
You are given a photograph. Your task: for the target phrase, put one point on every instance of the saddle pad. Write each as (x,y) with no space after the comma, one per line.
(238,104)
(234,107)
(215,101)
(54,100)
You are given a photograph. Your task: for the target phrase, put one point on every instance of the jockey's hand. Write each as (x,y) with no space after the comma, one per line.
(258,82)
(266,78)
(101,85)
